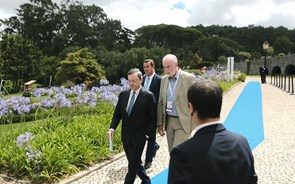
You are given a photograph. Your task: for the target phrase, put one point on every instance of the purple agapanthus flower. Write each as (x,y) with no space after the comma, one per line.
(33,155)
(89,97)
(3,107)
(19,104)
(78,90)
(38,92)
(103,82)
(23,139)
(48,103)
(124,83)
(62,100)
(109,96)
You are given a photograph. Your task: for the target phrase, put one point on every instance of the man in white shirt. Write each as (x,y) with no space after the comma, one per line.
(151,81)
(136,109)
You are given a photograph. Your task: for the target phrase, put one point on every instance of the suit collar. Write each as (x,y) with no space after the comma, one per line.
(210,129)
(137,91)
(139,95)
(153,79)
(205,125)
(176,76)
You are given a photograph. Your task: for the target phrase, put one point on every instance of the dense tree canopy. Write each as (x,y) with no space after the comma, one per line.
(54,27)
(19,58)
(120,63)
(79,66)
(282,45)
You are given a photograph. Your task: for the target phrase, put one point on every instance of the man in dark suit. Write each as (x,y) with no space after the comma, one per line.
(151,81)
(263,71)
(213,155)
(136,108)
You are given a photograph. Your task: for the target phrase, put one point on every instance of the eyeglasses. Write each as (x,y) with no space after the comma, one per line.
(133,81)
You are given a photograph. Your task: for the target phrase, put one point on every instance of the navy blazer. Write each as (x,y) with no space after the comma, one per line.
(134,127)
(213,155)
(154,86)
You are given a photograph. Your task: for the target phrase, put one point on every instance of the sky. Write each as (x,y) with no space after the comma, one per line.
(134,14)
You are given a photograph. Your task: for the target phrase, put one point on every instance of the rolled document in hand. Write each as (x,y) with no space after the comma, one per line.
(111,145)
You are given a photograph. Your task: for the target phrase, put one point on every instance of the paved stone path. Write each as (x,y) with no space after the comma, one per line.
(274,157)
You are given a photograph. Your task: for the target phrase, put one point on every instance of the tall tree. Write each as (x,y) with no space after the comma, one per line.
(89,26)
(282,45)
(168,36)
(54,27)
(78,66)
(20,59)
(47,68)
(119,63)
(39,22)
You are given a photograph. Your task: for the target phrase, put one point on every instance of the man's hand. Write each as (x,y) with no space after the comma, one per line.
(161,130)
(110,134)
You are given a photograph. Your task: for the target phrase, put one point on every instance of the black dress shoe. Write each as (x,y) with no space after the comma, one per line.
(156,149)
(146,182)
(147,165)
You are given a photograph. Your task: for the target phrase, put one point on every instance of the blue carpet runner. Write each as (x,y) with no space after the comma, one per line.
(245,118)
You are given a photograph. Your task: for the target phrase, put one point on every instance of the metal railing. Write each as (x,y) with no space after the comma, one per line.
(284,82)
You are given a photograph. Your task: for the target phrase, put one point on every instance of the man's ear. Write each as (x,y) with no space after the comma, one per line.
(191,108)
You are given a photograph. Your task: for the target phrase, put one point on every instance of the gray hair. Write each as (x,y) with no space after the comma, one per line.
(137,71)
(171,57)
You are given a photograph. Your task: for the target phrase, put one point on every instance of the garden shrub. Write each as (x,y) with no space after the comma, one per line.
(242,77)
(27,93)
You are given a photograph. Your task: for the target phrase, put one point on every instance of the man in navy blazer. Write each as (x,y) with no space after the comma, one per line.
(213,155)
(151,81)
(136,108)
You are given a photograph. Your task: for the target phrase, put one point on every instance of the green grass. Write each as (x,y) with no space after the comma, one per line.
(67,144)
(227,85)
(10,95)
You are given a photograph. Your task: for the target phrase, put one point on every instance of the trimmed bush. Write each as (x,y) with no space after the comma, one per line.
(242,77)
(27,94)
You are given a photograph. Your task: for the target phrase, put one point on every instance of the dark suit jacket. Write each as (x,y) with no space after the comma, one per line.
(263,71)
(134,127)
(213,155)
(155,85)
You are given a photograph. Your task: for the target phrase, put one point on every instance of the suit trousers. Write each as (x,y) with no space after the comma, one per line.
(263,78)
(175,132)
(133,154)
(151,144)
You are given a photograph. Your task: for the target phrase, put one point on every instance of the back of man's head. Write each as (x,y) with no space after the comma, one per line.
(206,98)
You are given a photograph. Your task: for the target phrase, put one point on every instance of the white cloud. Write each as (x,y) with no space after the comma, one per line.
(136,13)
(8,6)
(211,12)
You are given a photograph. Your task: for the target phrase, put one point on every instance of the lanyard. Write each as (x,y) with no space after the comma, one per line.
(172,90)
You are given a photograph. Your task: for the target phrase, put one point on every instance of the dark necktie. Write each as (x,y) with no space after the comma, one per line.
(131,103)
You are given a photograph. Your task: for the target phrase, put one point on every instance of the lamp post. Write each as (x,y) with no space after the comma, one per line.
(265,46)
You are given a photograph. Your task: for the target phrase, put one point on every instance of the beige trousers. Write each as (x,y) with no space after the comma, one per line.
(175,132)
